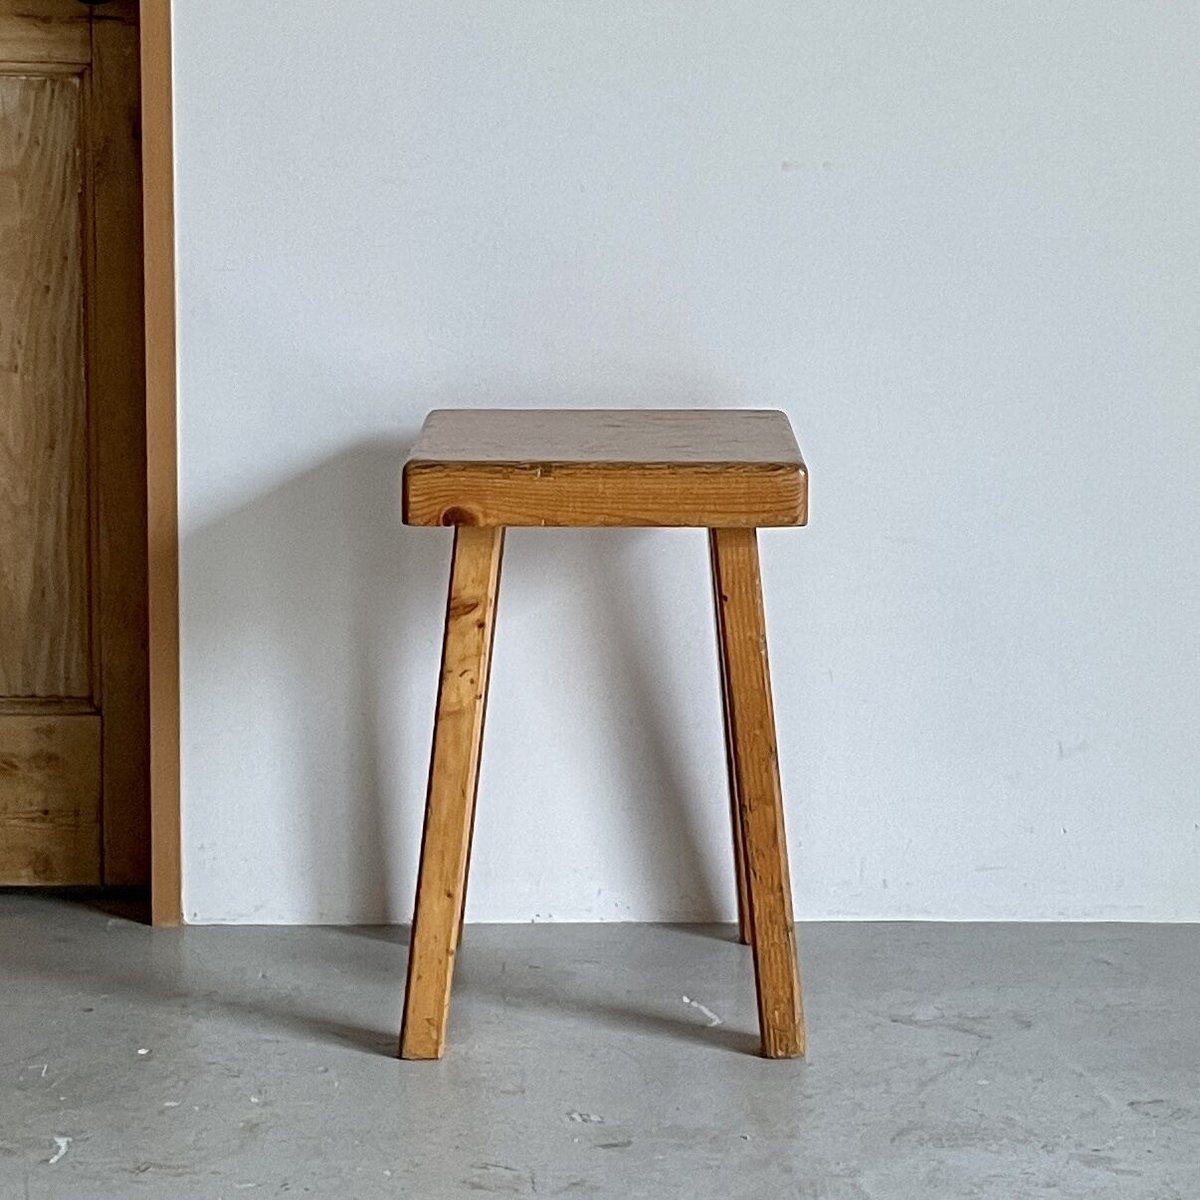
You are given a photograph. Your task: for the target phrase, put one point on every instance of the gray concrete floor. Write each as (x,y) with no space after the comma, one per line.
(1001,1061)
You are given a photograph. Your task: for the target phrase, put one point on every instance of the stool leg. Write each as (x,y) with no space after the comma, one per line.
(450,801)
(743,633)
(739,851)
(487,675)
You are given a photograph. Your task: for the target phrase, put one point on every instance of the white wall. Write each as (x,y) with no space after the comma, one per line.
(956,241)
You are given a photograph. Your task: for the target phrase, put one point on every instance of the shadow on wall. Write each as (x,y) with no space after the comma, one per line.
(311,583)
(314,747)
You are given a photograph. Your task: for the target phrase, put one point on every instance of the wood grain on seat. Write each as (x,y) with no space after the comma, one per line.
(722,468)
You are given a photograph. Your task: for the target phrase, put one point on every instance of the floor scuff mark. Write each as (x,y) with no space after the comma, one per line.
(63,1144)
(713,1019)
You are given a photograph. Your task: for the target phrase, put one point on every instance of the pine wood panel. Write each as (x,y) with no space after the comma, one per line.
(50,799)
(117,401)
(44,32)
(72,433)
(453,776)
(742,628)
(596,467)
(44,519)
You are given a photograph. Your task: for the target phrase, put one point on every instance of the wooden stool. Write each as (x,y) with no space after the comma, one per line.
(728,470)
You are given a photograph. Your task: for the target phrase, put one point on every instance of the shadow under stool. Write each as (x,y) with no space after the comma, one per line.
(481,470)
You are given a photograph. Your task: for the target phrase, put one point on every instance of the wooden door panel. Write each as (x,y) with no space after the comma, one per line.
(44,621)
(50,799)
(117,391)
(44,31)
(73,656)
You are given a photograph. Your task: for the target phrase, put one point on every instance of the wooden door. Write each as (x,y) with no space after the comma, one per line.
(73,707)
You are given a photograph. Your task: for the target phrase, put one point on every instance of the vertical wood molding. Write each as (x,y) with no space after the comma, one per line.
(158,191)
(116,395)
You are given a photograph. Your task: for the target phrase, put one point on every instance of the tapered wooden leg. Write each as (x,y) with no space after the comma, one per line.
(450,801)
(742,629)
(487,675)
(739,852)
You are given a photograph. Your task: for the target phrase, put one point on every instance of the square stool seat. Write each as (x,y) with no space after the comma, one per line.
(717,468)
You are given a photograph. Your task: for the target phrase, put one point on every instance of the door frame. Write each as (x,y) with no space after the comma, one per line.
(162,476)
